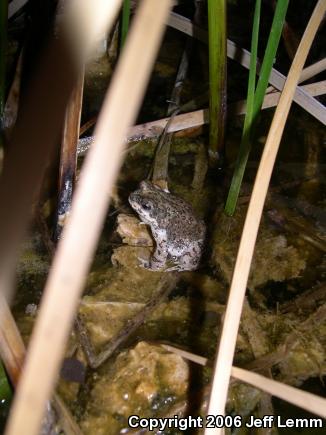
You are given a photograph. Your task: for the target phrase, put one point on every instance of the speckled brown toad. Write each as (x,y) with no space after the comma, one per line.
(178,233)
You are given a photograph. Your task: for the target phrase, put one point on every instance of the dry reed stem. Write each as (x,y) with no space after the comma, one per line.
(12,352)
(196,119)
(68,157)
(312,70)
(272,99)
(165,286)
(200,117)
(71,131)
(311,105)
(89,206)
(308,401)
(66,420)
(12,349)
(14,7)
(186,355)
(86,22)
(242,267)
(309,72)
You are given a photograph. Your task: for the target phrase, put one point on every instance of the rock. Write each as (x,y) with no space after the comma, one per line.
(134,383)
(273,259)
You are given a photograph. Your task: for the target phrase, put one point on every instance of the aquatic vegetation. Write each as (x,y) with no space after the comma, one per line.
(124,21)
(255,95)
(144,341)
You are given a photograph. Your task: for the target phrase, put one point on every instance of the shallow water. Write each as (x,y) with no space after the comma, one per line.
(289,262)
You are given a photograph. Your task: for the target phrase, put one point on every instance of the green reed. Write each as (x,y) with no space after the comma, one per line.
(125,18)
(255,98)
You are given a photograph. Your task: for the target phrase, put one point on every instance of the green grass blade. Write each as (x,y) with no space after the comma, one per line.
(5,397)
(217,75)
(5,389)
(255,102)
(252,69)
(124,22)
(270,53)
(245,147)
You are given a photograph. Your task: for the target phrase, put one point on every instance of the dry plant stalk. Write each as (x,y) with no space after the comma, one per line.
(12,352)
(194,119)
(309,72)
(68,157)
(14,7)
(312,70)
(227,343)
(188,120)
(311,105)
(200,117)
(308,401)
(86,22)
(272,99)
(162,153)
(89,206)
(12,349)
(30,149)
(166,285)
(186,354)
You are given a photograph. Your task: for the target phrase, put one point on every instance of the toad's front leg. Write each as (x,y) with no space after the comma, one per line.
(159,257)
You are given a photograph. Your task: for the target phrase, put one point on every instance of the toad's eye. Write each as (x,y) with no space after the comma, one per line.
(147,206)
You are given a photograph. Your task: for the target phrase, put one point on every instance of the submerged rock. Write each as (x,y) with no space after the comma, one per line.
(133,232)
(274,259)
(141,379)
